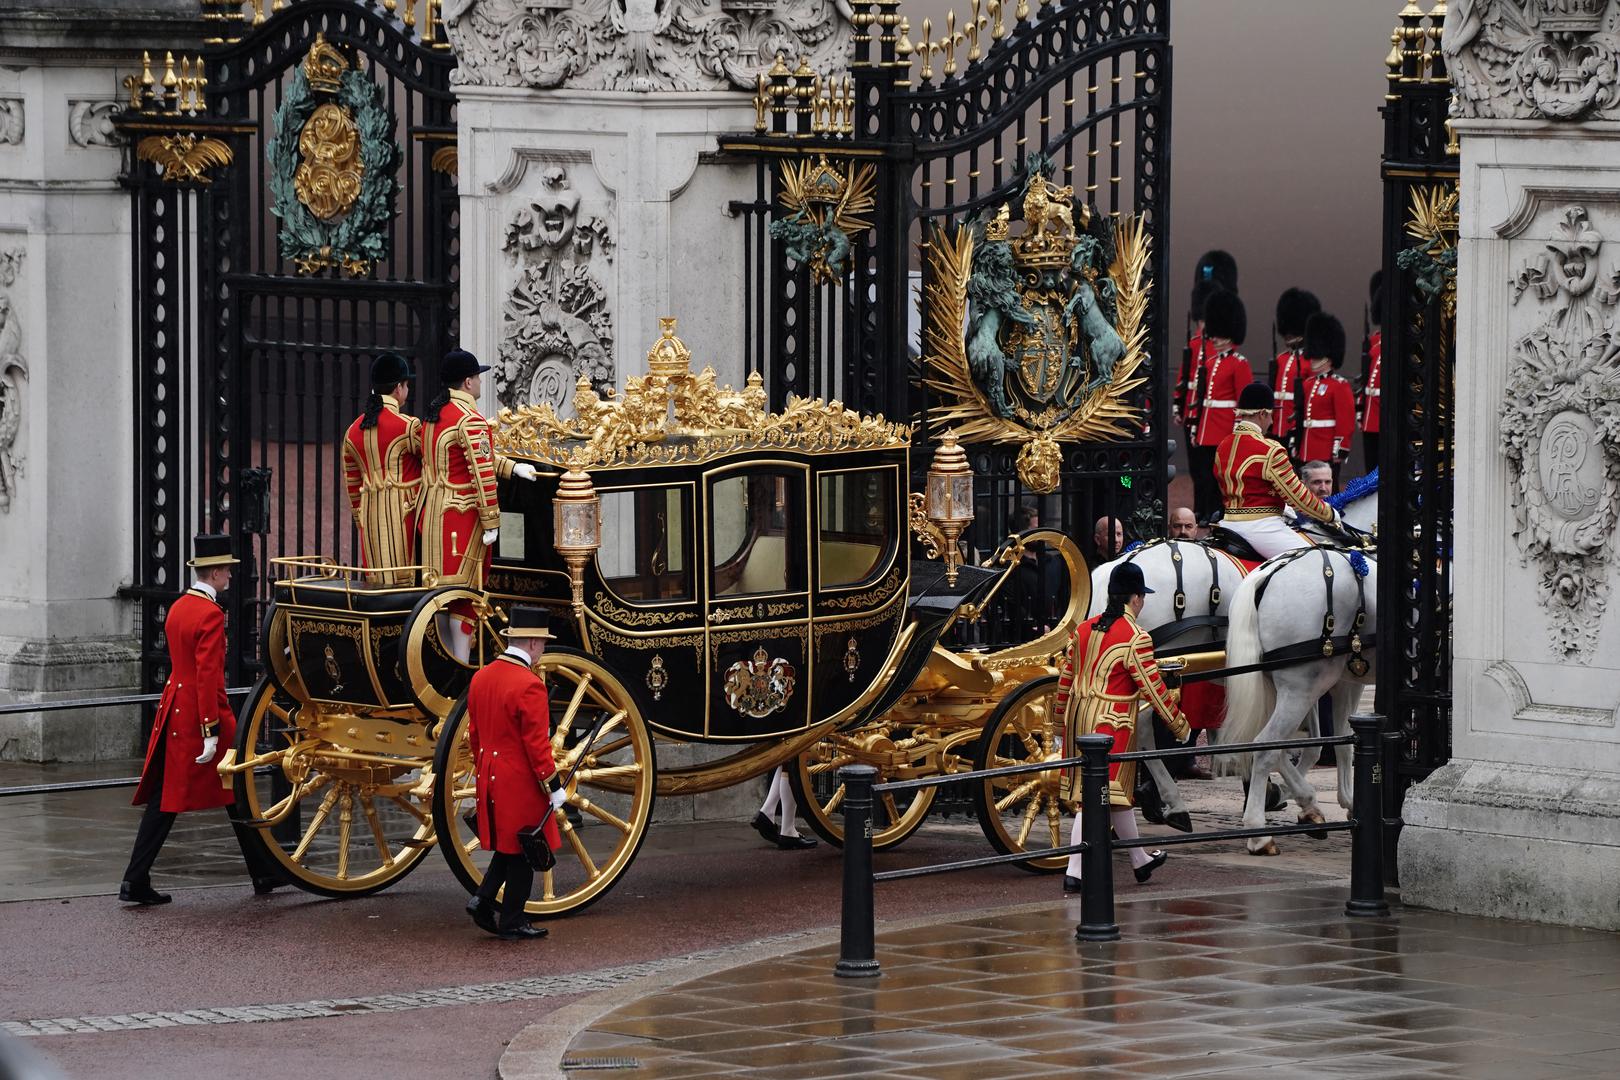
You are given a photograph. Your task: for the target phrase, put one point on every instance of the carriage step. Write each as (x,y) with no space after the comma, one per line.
(582,1064)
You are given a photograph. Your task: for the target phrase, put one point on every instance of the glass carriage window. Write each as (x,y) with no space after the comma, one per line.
(644,545)
(755,526)
(856,512)
(510,543)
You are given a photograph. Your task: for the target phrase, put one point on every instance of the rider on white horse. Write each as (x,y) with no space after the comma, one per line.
(1257,481)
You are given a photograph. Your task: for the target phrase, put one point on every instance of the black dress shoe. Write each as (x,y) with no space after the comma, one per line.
(1181,821)
(766,827)
(264,885)
(1070,884)
(144,895)
(795,843)
(483,914)
(523,933)
(1144,872)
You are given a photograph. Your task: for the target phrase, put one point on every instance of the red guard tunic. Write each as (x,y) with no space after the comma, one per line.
(1187,405)
(459,469)
(382,468)
(509,728)
(1104,676)
(1330,417)
(1291,367)
(1226,374)
(1370,416)
(193,706)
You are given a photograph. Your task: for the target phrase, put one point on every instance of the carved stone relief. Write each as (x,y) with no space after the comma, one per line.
(557,322)
(1533,59)
(640,45)
(11,121)
(13,371)
(1560,428)
(90,123)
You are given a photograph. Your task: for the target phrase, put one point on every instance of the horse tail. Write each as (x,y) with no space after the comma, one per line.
(1250,698)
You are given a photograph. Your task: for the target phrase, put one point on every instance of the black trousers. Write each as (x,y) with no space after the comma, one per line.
(1206,492)
(155,826)
(517,875)
(1369,450)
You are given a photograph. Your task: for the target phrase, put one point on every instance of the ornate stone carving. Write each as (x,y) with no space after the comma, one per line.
(557,323)
(11,121)
(641,45)
(1533,59)
(1560,429)
(12,373)
(90,123)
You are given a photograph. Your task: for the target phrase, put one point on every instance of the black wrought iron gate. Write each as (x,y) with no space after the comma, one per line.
(252,352)
(950,124)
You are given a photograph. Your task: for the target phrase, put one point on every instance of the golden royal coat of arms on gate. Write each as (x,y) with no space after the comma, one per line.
(1054,326)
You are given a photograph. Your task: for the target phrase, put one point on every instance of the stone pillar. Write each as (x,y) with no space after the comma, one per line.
(1524,821)
(65,376)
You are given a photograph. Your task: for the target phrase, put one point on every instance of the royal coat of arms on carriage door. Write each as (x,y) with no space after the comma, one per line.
(1037,337)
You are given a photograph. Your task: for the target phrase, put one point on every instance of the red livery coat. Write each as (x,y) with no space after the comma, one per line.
(1257,479)
(509,727)
(1291,367)
(382,469)
(1370,413)
(193,705)
(1330,417)
(459,470)
(1186,405)
(1226,373)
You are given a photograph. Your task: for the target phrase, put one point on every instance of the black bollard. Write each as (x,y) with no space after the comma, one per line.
(857,946)
(1367,838)
(1097,860)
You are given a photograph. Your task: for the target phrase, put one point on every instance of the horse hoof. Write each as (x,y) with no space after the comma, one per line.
(1313,816)
(1181,821)
(1268,848)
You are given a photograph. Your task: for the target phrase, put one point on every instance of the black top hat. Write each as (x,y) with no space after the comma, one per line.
(528,622)
(1255,397)
(1225,317)
(459,364)
(1324,337)
(389,370)
(1126,580)
(211,549)
(1294,307)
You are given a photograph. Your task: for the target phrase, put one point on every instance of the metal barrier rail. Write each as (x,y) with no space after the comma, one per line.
(857,955)
(71,704)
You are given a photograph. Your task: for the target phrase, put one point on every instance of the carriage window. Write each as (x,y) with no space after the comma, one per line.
(755,522)
(510,543)
(644,543)
(857,521)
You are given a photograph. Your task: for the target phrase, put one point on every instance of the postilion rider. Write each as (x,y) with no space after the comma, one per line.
(1258,481)
(509,729)
(382,469)
(193,716)
(1107,672)
(460,514)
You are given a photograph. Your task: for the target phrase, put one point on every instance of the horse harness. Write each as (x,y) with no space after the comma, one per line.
(1329,644)
(1184,624)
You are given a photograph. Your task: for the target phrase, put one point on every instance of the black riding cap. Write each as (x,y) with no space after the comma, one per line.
(1255,397)
(459,364)
(390,369)
(1126,580)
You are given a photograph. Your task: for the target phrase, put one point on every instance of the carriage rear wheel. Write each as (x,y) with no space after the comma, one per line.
(1023,812)
(814,775)
(611,793)
(336,826)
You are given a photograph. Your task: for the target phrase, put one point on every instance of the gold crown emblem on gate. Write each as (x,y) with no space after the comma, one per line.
(825,185)
(324,66)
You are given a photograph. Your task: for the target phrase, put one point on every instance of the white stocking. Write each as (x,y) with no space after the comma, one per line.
(790,806)
(1124,822)
(772,798)
(460,640)
(1074,860)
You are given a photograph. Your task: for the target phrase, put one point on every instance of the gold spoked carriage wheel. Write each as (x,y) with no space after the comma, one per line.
(814,775)
(612,792)
(1023,812)
(337,826)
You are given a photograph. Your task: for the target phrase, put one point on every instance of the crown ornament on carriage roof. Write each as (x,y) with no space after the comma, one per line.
(324,66)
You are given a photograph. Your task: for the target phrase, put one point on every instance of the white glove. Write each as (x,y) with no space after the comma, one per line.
(210,745)
(523,471)
(489,537)
(558,798)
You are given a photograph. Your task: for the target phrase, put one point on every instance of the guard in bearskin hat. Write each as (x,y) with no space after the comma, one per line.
(1222,375)
(1372,373)
(1330,401)
(193,718)
(382,469)
(1215,271)
(1258,480)
(1294,309)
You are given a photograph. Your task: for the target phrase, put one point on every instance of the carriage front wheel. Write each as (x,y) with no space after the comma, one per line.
(611,793)
(894,752)
(1024,812)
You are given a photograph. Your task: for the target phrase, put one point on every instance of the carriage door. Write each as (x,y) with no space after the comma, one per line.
(757,600)
(295,213)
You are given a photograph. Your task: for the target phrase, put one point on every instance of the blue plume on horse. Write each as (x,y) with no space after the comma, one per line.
(1132,546)
(1359,488)
(1358,563)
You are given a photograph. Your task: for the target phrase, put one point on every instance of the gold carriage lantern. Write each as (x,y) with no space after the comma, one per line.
(577,525)
(948,501)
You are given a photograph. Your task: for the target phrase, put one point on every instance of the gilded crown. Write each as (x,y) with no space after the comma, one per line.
(997,229)
(324,66)
(825,184)
(669,358)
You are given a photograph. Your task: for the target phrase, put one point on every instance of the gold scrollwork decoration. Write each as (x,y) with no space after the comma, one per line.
(606,608)
(184,159)
(602,635)
(329,176)
(862,600)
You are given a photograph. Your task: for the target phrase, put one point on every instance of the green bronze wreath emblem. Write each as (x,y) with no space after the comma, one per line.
(357,238)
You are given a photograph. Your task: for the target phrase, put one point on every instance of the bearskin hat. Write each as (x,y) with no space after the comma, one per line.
(1225,317)
(1375,298)
(1256,396)
(1294,309)
(1324,337)
(1219,268)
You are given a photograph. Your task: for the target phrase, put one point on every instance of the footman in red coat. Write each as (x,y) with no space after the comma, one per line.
(509,728)
(193,717)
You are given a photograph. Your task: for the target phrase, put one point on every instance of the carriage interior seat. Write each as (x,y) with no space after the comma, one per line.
(847,563)
(764,569)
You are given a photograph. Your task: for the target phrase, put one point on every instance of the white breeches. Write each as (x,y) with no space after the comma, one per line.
(1123,819)
(781,805)
(1270,536)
